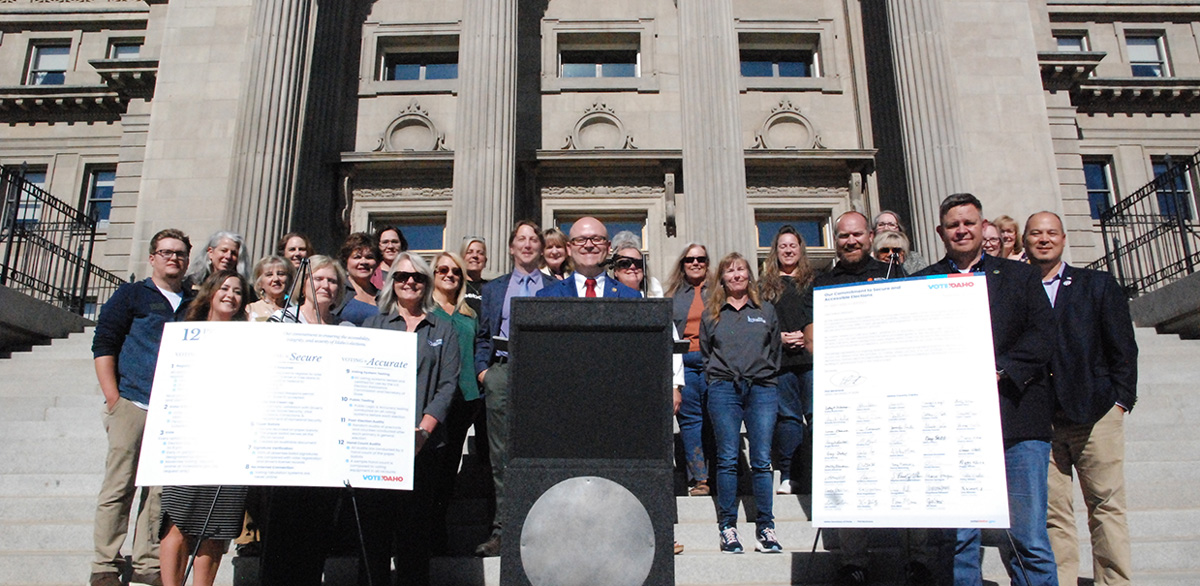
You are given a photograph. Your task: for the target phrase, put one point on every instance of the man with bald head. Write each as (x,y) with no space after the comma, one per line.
(587,244)
(1094,383)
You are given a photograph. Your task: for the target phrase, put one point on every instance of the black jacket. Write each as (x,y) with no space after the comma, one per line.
(1095,360)
(1023,340)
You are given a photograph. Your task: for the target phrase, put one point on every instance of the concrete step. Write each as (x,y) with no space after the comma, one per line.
(47,537)
(66,455)
(49,484)
(47,509)
(36,408)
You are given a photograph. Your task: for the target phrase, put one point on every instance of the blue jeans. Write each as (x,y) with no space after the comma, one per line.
(691,416)
(730,403)
(795,405)
(1026,464)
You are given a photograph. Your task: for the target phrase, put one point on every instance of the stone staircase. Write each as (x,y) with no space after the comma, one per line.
(52,450)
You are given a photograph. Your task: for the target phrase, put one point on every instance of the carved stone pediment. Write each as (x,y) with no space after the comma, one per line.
(599,128)
(785,128)
(412,130)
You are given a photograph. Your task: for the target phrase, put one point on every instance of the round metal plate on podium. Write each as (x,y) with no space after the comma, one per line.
(587,531)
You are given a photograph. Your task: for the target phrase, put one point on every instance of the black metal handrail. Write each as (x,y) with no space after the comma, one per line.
(47,248)
(1151,238)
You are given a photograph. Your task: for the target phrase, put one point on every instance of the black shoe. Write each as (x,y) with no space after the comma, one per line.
(849,575)
(918,574)
(489,548)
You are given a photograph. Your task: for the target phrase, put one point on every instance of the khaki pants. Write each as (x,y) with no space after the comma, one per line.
(124,425)
(1097,453)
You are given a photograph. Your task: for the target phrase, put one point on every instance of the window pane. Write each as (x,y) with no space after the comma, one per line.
(1142,70)
(579,70)
(810,231)
(29,210)
(441,71)
(100,194)
(1095,176)
(52,58)
(1174,196)
(405,72)
(125,51)
(1070,43)
(423,236)
(793,69)
(757,69)
(618,70)
(1143,48)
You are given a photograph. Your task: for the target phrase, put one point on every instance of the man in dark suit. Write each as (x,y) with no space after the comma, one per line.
(588,245)
(1023,336)
(1094,379)
(525,244)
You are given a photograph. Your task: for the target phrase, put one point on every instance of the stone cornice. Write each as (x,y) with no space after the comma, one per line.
(857,160)
(1148,95)
(132,78)
(53,103)
(384,161)
(1064,70)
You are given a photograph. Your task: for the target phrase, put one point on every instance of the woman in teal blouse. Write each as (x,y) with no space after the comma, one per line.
(466,410)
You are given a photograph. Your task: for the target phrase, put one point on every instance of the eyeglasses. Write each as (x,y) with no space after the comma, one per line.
(404,276)
(891,225)
(687,260)
(625,263)
(166,254)
(991,241)
(584,240)
(892,250)
(445,270)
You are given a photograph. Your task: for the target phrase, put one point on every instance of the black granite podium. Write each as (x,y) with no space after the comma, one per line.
(589,480)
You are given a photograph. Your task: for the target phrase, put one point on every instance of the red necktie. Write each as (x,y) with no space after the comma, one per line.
(591,287)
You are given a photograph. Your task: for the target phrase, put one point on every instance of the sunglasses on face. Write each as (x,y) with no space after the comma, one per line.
(892,250)
(445,270)
(404,276)
(687,260)
(626,263)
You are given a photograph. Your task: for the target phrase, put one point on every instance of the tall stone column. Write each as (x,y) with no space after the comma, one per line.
(484,142)
(262,186)
(931,134)
(713,203)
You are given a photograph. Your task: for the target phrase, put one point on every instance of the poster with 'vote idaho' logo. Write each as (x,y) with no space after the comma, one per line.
(281,405)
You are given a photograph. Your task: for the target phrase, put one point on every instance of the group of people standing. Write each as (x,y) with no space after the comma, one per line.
(748,363)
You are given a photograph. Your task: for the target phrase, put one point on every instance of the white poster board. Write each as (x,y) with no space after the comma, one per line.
(906,425)
(281,405)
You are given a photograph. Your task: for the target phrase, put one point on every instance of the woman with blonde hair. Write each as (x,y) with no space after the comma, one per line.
(556,263)
(1010,238)
(741,345)
(272,279)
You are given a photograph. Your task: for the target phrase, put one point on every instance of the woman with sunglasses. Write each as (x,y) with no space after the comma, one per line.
(407,517)
(210,513)
(786,282)
(688,290)
(891,248)
(629,267)
(449,293)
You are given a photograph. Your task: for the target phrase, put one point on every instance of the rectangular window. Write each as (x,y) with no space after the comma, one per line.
(1071,42)
(779,55)
(99,194)
(1101,188)
(48,64)
(418,58)
(1176,195)
(125,49)
(599,55)
(426,234)
(29,210)
(1147,56)
(812,230)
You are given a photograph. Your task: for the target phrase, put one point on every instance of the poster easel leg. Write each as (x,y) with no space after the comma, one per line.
(362,542)
(200,538)
(1012,544)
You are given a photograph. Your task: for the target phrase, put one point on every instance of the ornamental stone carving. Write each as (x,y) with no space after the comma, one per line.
(403,193)
(797,190)
(599,128)
(603,190)
(787,129)
(412,130)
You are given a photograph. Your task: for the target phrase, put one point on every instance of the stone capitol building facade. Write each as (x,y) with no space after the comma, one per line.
(682,120)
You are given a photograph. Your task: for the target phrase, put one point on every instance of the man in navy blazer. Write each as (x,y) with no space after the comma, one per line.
(525,245)
(1023,336)
(1094,379)
(588,245)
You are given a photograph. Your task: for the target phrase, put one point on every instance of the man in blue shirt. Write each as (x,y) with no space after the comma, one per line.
(125,348)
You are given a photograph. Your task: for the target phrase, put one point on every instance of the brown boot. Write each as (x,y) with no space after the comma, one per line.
(699,489)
